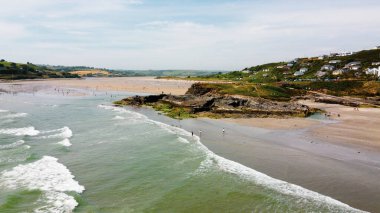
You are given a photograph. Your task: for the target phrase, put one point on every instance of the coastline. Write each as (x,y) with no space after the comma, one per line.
(294,150)
(323,167)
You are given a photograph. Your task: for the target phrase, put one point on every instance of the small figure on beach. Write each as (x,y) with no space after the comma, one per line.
(192,133)
(223,131)
(200,133)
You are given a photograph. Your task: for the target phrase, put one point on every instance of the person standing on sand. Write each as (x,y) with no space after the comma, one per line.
(200,133)
(223,131)
(192,133)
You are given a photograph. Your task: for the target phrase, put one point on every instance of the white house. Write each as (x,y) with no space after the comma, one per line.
(289,65)
(355,63)
(335,61)
(356,67)
(345,53)
(339,72)
(245,71)
(298,73)
(304,69)
(373,71)
(327,67)
(320,74)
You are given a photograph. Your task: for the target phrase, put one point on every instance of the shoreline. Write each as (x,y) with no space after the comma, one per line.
(294,150)
(320,166)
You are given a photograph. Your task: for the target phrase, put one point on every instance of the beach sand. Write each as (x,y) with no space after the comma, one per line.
(336,156)
(88,86)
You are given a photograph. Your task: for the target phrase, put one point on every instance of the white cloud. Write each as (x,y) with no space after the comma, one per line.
(226,36)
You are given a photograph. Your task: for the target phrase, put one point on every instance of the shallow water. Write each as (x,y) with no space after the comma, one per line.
(63,154)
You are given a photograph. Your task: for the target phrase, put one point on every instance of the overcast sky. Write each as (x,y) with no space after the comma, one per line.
(183,34)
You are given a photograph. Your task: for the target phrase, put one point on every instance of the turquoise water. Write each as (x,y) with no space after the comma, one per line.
(64,154)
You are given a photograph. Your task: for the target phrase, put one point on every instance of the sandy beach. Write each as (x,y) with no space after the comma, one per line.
(336,156)
(148,85)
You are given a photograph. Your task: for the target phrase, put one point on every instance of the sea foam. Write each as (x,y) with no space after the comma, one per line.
(15,115)
(12,145)
(65,142)
(49,176)
(64,133)
(30,131)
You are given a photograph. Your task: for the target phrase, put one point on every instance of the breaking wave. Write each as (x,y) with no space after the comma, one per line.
(12,145)
(64,133)
(30,131)
(48,176)
(65,142)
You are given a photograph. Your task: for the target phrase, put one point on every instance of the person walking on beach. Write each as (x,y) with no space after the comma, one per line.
(192,133)
(223,131)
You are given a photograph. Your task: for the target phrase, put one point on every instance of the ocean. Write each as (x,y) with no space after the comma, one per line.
(81,154)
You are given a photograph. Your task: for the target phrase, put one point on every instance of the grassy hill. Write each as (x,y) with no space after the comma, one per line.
(284,71)
(14,71)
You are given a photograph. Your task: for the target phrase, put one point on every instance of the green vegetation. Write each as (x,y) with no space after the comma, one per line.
(338,88)
(284,91)
(173,111)
(267,91)
(14,71)
(284,71)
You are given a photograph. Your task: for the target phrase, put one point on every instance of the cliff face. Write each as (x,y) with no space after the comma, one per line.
(200,100)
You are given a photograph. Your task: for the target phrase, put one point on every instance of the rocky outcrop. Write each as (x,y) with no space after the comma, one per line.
(199,100)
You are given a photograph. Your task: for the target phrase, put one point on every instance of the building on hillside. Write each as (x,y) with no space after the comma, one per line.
(373,71)
(356,67)
(335,61)
(245,71)
(265,70)
(320,74)
(334,54)
(327,67)
(302,71)
(345,54)
(289,65)
(298,73)
(322,57)
(280,67)
(339,71)
(265,75)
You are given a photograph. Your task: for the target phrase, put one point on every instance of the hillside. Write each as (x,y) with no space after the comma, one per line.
(13,71)
(162,73)
(103,72)
(349,66)
(88,73)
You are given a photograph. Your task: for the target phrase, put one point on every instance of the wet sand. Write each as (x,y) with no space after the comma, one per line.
(338,157)
(294,156)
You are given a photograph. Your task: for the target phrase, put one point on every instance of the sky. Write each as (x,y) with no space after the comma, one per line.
(183,34)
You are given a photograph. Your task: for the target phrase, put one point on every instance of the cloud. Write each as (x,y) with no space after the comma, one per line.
(187,34)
